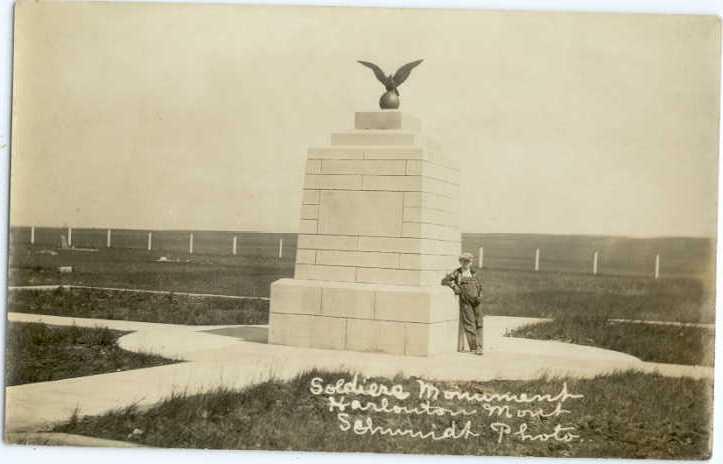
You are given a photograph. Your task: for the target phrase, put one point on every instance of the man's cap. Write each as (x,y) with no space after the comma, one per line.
(466,257)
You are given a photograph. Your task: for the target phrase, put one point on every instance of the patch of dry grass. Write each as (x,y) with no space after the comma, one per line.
(624,415)
(38,352)
(168,308)
(649,342)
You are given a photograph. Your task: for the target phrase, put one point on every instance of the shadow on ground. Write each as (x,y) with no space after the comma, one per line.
(248,334)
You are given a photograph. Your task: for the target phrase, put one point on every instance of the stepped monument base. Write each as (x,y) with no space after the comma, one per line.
(378,232)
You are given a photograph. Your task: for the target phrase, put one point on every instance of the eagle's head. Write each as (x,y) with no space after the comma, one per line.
(390,84)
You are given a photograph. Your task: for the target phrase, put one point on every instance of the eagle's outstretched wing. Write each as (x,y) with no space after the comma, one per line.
(377,71)
(403,73)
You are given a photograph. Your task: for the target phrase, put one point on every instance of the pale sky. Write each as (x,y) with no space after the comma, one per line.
(199,116)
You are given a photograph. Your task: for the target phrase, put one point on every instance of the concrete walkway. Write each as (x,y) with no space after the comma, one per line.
(238,356)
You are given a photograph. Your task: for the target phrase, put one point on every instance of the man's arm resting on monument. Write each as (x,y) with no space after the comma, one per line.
(450,281)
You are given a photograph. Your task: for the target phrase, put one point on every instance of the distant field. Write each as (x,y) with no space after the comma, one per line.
(624,288)
(132,268)
(679,256)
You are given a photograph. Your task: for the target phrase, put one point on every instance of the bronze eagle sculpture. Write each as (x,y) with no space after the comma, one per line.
(390,99)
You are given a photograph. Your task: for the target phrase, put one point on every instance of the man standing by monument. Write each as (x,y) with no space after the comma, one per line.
(466,284)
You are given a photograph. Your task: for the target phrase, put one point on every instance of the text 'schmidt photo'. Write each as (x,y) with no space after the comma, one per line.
(340,229)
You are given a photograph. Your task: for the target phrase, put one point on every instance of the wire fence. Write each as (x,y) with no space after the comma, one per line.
(654,257)
(225,243)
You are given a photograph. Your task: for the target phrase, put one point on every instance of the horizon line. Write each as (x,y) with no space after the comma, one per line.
(252,231)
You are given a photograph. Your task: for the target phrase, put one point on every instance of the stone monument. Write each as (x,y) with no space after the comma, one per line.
(379,230)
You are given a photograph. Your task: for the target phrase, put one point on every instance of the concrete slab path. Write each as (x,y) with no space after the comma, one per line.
(238,356)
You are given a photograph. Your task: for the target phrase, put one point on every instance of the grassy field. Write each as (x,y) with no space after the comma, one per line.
(506,292)
(649,342)
(38,353)
(553,295)
(624,415)
(169,308)
(129,268)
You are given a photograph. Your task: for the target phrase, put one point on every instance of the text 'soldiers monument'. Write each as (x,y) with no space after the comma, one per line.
(378,231)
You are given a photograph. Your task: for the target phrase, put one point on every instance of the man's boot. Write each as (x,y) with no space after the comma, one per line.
(479,342)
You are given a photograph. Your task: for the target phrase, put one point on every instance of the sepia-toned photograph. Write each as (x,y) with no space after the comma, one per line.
(362,230)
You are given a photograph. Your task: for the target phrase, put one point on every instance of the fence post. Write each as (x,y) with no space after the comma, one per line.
(537,260)
(70,237)
(235,242)
(281,248)
(150,240)
(594,263)
(657,266)
(190,243)
(481,257)
(32,235)
(107,239)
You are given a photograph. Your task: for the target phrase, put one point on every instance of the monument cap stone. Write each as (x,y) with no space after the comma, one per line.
(386,120)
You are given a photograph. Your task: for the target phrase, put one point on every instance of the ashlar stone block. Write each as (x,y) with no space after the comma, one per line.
(310,197)
(328,332)
(358,259)
(295,297)
(330,273)
(415,305)
(430,231)
(332,182)
(310,212)
(361,213)
(369,167)
(306,256)
(347,301)
(308,226)
(373,137)
(327,242)
(427,262)
(375,336)
(429,339)
(290,329)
